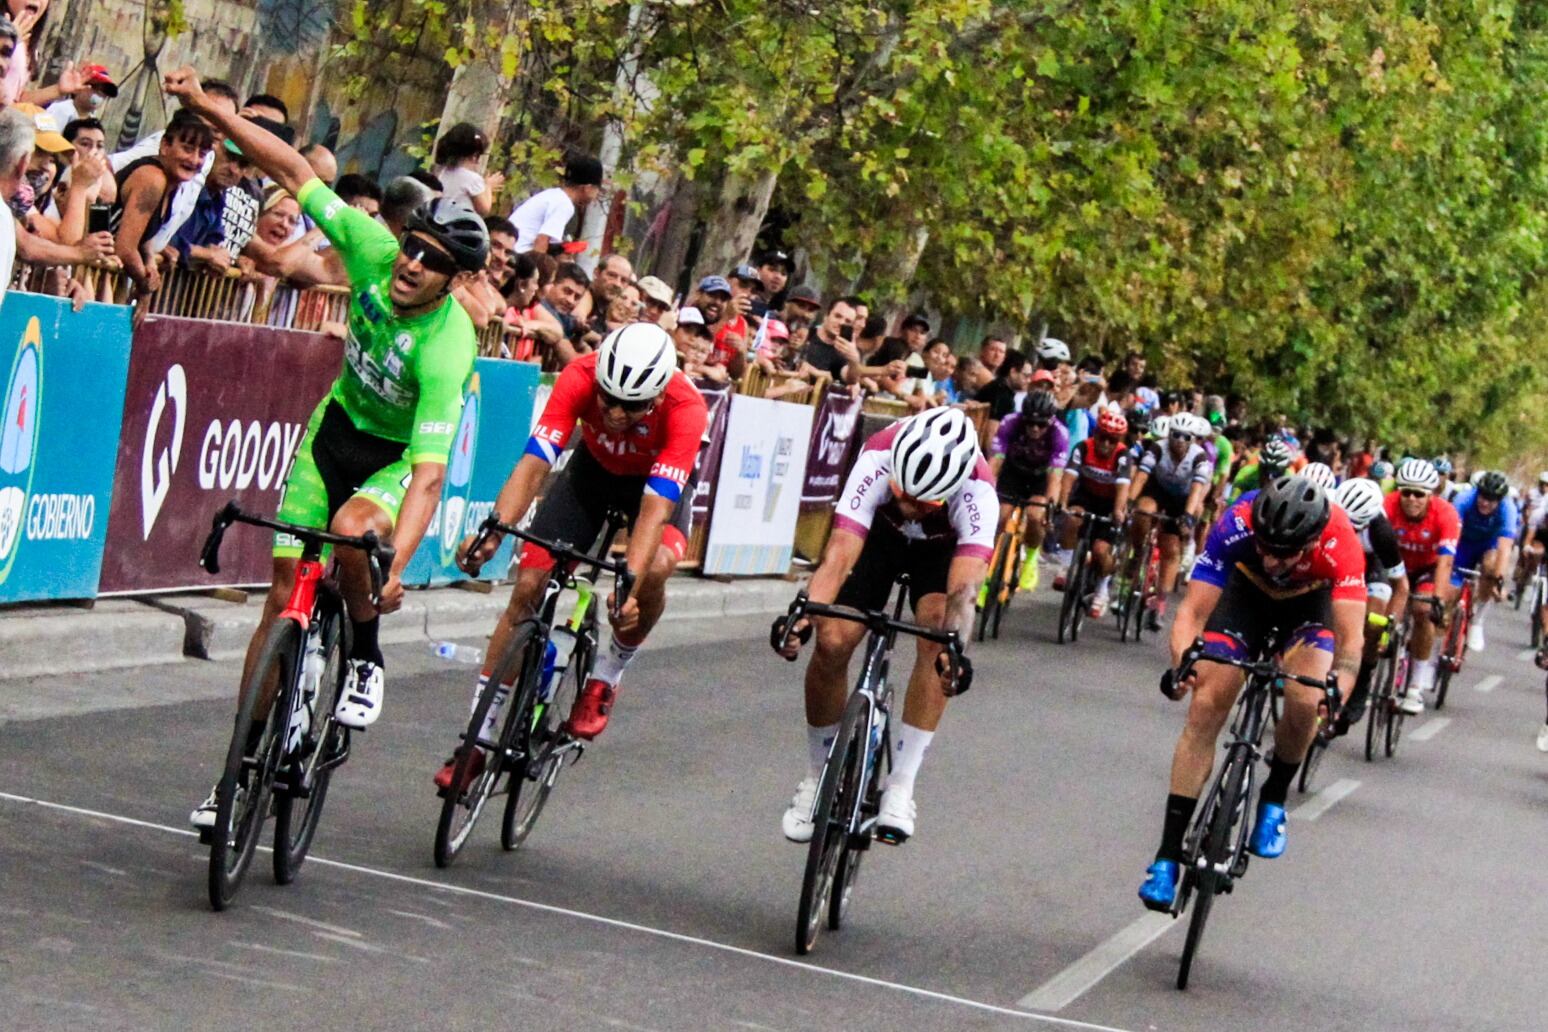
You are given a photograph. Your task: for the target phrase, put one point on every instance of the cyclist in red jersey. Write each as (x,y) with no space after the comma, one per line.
(1427,528)
(1096,480)
(641,423)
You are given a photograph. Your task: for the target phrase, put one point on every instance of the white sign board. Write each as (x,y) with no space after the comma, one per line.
(758,494)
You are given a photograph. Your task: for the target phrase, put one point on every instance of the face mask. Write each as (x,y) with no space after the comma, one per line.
(94,100)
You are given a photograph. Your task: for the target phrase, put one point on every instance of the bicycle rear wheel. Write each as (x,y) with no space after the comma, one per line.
(298,805)
(1069,606)
(1403,673)
(541,743)
(1379,705)
(460,810)
(989,611)
(1319,745)
(1209,879)
(242,796)
(837,804)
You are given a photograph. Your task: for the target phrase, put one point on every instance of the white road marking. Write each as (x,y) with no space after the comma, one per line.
(1321,802)
(1525,654)
(1429,729)
(1489,683)
(309,922)
(367,947)
(298,954)
(610,922)
(1068,985)
(433,922)
(261,983)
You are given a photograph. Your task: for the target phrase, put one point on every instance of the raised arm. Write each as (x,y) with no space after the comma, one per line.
(279,161)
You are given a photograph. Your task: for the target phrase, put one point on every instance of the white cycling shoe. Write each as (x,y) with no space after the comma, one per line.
(361,701)
(1542,738)
(1412,702)
(895,823)
(203,816)
(797,822)
(1475,638)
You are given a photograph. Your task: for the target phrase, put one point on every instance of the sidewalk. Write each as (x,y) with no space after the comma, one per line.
(115,634)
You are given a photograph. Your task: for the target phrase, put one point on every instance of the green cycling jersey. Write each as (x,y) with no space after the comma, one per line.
(403,377)
(1246,479)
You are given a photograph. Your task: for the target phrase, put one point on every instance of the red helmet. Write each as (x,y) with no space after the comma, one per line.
(1110,421)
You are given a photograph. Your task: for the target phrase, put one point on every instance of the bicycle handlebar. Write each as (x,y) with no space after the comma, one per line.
(623,580)
(1263,668)
(877,621)
(379,554)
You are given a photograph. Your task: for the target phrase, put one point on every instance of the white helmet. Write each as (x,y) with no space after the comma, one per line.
(934,454)
(1053,348)
(1161,425)
(1542,478)
(636,361)
(1417,473)
(1360,498)
(1321,474)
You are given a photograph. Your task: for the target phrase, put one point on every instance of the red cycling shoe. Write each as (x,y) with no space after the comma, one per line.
(588,717)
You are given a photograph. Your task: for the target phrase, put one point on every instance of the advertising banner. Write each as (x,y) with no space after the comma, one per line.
(835,443)
(63,379)
(496,422)
(758,492)
(213,411)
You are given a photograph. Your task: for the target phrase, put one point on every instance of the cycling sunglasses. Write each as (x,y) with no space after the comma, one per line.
(1279,553)
(1039,424)
(1409,492)
(901,496)
(1182,436)
(418,249)
(607,401)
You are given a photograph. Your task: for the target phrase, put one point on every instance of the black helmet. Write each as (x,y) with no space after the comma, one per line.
(1493,485)
(455,227)
(1039,406)
(1289,514)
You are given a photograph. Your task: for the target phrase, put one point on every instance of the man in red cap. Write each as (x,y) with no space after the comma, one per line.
(90,101)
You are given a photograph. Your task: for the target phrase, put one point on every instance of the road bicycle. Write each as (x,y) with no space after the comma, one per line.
(1454,646)
(1004,575)
(1537,591)
(537,678)
(1390,681)
(1139,573)
(285,744)
(1215,849)
(1081,583)
(848,796)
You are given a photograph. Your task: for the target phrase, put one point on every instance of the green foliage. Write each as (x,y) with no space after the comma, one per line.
(1337,209)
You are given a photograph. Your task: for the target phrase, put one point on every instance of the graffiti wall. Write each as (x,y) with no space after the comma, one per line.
(259,46)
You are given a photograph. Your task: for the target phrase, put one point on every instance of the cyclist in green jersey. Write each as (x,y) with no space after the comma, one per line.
(374,455)
(1273,461)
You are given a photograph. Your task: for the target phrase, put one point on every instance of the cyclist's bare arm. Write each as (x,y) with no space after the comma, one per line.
(1066,486)
(1137,485)
(963,578)
(1197,604)
(1348,642)
(279,161)
(645,538)
(838,559)
(1195,506)
(1121,501)
(510,505)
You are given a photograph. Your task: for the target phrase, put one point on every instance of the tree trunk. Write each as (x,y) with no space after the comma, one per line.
(890,274)
(477,94)
(732,228)
(673,250)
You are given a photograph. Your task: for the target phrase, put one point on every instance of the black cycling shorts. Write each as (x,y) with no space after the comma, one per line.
(578,498)
(1248,622)
(1014,484)
(1540,535)
(1166,503)
(886,554)
(1085,501)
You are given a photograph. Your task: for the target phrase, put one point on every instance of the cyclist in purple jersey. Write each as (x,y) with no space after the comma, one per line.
(1027,448)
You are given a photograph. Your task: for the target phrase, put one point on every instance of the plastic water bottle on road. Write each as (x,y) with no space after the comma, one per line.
(450,651)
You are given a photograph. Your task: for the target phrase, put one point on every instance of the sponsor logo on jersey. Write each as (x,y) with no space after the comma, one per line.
(19,440)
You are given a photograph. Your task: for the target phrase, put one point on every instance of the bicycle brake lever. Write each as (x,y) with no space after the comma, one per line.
(209,556)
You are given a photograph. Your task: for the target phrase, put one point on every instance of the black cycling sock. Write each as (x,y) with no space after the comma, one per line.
(365,645)
(1276,787)
(1179,811)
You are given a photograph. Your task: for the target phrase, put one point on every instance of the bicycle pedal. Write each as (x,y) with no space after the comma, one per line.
(891,837)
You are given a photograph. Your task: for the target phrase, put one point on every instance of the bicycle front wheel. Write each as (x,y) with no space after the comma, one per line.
(1319,745)
(1210,877)
(832,820)
(298,805)
(252,760)
(460,810)
(541,747)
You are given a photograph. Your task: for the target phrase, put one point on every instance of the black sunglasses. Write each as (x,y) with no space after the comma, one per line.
(1278,553)
(1181,436)
(607,401)
(1409,492)
(418,249)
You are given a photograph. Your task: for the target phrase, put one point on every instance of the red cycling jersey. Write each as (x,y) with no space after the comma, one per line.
(662,447)
(1425,540)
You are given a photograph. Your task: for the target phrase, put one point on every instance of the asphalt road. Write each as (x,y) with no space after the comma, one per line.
(657,892)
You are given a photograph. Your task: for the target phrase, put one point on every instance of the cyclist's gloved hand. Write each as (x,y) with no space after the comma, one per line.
(1437,614)
(780,631)
(1187,521)
(964,673)
(1171,687)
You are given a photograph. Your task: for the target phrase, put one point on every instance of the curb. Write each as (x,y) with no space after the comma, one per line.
(169,628)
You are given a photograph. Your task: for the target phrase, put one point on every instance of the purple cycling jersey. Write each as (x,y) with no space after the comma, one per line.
(1032,452)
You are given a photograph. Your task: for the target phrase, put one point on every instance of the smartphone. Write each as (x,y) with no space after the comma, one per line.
(97,218)
(847,331)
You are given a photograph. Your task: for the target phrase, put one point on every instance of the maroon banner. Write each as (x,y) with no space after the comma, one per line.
(835,442)
(717,397)
(213,411)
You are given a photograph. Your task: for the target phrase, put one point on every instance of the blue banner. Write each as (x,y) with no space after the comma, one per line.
(63,375)
(496,422)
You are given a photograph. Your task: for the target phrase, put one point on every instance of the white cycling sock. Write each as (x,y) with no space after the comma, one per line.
(1424,673)
(818,741)
(611,663)
(1105,586)
(908,751)
(491,719)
